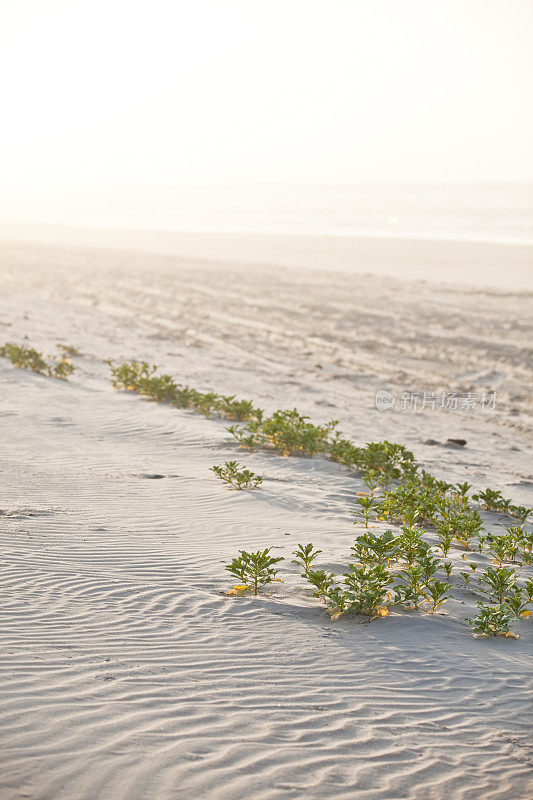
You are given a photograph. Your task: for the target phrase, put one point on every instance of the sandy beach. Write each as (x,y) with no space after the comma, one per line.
(126,671)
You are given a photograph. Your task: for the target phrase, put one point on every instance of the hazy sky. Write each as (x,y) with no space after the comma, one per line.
(97,92)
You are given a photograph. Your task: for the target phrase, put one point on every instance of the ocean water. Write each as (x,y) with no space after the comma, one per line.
(495,212)
(477,212)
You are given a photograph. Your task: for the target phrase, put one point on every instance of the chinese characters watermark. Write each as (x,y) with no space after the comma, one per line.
(445,401)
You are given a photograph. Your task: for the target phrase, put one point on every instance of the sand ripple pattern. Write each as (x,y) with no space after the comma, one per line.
(126,673)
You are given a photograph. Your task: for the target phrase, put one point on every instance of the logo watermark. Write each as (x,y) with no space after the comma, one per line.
(384,400)
(445,401)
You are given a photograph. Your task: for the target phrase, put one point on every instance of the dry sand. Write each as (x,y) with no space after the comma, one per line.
(125,671)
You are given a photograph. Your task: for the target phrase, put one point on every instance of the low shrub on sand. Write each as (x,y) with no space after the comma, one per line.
(401,568)
(253,569)
(236,477)
(27,358)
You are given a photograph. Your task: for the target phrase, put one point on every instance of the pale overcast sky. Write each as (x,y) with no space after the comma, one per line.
(121,91)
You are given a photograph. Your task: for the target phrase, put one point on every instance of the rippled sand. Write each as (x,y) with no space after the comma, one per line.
(125,671)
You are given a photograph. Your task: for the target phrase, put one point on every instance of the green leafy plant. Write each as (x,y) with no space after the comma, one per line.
(142,377)
(411,546)
(520,512)
(240,410)
(253,569)
(517,604)
(435,592)
(498,583)
(233,474)
(128,376)
(491,499)
(389,460)
(292,434)
(519,535)
(28,358)
(463,489)
(412,591)
(528,590)
(503,548)
(206,403)
(467,526)
(445,537)
(68,350)
(372,480)
(305,555)
(492,621)
(248,436)
(416,499)
(466,578)
(372,549)
(367,509)
(365,591)
(321,581)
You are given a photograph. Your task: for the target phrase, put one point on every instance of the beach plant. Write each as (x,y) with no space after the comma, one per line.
(503,547)
(412,590)
(28,358)
(492,621)
(321,580)
(343,451)
(371,478)
(185,397)
(463,489)
(336,600)
(520,512)
(492,500)
(240,410)
(411,547)
(366,511)
(429,565)
(522,541)
(24,357)
(61,369)
(291,433)
(436,593)
(466,527)
(232,473)
(455,518)
(142,377)
(253,569)
(365,591)
(445,537)
(466,578)
(517,603)
(410,497)
(305,555)
(497,584)
(388,460)
(128,376)
(370,548)
(161,388)
(248,436)
(68,350)
(206,403)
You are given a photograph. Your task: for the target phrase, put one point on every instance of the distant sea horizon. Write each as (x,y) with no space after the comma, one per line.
(495,212)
